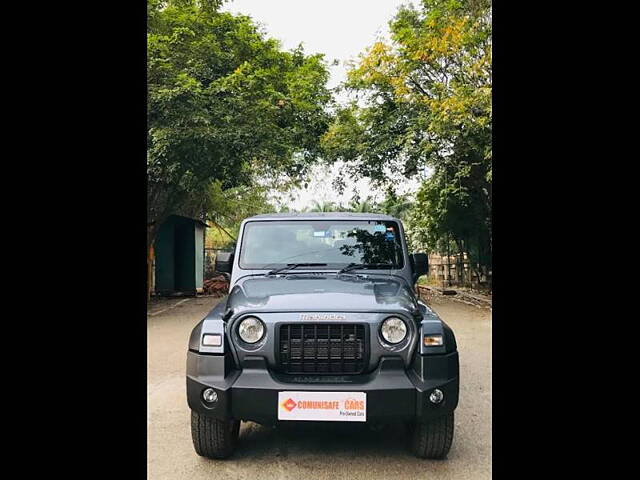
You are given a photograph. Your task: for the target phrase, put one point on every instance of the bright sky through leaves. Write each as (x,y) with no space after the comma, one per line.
(341,29)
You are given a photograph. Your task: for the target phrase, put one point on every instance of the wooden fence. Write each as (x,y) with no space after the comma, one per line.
(456,270)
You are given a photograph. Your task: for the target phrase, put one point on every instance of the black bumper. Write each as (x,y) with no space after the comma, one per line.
(393,392)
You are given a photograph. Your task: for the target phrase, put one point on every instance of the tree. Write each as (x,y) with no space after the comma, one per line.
(363,206)
(425,102)
(396,205)
(227,208)
(226,107)
(323,206)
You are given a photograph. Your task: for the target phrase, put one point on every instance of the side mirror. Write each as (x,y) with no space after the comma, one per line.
(420,265)
(224,262)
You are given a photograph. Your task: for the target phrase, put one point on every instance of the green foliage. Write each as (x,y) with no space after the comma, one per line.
(425,102)
(396,205)
(228,207)
(363,206)
(324,207)
(226,106)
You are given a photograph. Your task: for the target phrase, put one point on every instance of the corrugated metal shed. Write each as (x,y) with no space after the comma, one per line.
(179,256)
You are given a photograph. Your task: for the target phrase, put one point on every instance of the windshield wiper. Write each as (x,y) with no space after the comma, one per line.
(291,266)
(357,266)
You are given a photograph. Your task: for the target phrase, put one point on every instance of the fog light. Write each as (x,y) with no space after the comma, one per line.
(210,395)
(436,396)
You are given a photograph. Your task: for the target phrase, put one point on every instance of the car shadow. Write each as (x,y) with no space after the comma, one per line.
(322,438)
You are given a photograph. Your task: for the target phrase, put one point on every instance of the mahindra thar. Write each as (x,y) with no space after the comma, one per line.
(322,323)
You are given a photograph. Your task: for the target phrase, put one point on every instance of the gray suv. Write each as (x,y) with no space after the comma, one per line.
(322,324)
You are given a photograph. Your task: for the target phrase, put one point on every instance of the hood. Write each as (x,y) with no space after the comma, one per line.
(322,293)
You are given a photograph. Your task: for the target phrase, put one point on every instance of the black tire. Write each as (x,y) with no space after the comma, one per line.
(212,437)
(432,439)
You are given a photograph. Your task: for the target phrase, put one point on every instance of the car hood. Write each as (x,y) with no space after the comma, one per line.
(322,293)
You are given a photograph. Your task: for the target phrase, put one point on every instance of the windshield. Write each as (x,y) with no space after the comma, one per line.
(337,243)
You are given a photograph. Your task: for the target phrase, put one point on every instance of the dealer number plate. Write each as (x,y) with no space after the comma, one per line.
(323,406)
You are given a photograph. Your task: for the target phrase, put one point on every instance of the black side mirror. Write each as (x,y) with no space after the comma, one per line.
(420,265)
(224,262)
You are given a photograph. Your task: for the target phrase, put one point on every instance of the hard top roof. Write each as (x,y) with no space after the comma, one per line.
(323,216)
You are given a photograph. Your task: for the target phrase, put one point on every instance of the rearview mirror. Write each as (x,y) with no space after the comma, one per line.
(224,262)
(419,264)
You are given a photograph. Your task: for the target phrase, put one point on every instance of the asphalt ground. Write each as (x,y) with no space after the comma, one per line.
(328,451)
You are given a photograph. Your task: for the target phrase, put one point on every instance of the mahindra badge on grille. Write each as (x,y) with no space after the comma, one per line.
(321,316)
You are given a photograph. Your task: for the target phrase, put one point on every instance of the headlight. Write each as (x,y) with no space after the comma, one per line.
(393,330)
(251,330)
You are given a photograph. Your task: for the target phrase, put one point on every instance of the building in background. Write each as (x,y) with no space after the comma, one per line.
(179,257)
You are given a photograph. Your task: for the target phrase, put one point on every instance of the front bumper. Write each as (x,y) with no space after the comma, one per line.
(393,392)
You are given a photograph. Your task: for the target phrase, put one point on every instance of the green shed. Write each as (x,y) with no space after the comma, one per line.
(179,256)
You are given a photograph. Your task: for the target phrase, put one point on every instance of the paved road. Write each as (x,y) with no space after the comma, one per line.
(332,452)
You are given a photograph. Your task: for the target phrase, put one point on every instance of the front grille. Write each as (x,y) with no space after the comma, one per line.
(322,348)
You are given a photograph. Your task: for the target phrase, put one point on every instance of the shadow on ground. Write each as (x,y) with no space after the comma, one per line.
(335,440)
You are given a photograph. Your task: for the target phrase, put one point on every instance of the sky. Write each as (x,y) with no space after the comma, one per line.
(341,29)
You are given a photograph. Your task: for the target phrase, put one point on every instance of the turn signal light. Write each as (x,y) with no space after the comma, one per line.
(433,340)
(212,340)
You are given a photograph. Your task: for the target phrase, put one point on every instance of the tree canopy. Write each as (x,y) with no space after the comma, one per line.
(424,102)
(231,113)
(226,106)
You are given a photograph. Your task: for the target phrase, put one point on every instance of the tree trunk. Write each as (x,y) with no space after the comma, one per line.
(460,262)
(152,230)
(150,255)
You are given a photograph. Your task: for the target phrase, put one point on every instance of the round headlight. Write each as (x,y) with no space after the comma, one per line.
(251,329)
(393,330)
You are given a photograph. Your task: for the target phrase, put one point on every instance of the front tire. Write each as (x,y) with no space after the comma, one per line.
(432,439)
(212,437)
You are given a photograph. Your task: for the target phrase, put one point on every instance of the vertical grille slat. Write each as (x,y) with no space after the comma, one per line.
(322,348)
(342,348)
(315,353)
